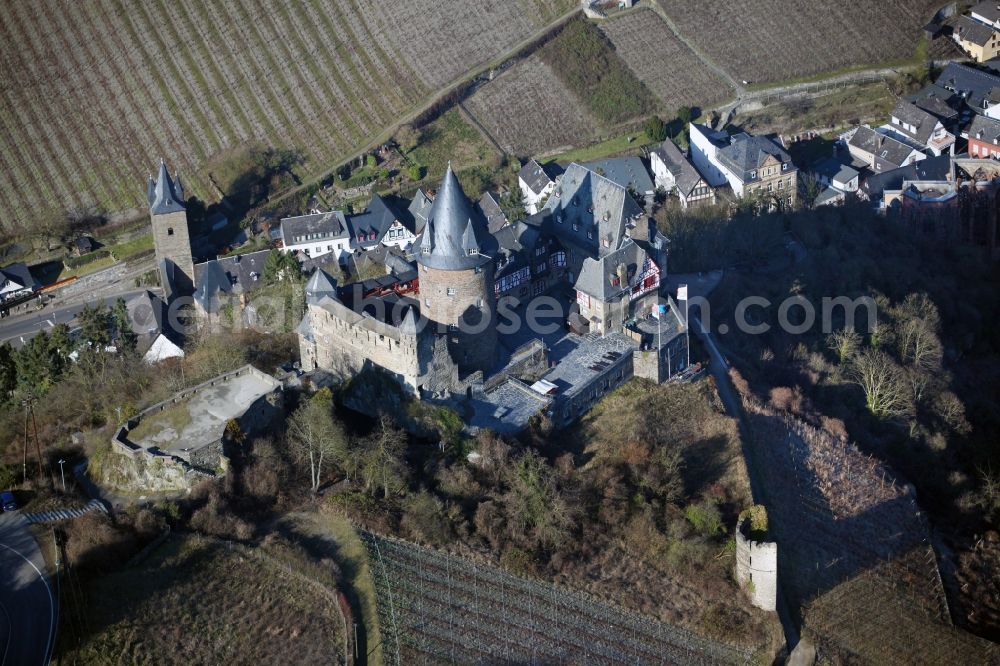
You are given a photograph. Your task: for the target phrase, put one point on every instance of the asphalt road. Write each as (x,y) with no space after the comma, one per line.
(18,329)
(28,605)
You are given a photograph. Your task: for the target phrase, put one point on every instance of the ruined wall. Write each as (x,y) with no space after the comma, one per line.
(757,568)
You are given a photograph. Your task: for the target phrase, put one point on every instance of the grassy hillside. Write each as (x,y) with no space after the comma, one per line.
(95,93)
(586,61)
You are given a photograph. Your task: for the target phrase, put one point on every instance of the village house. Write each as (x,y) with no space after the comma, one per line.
(752,165)
(911,124)
(979,90)
(316,234)
(879,188)
(628,172)
(536,183)
(674,172)
(16,281)
(879,152)
(837,180)
(984,138)
(489,207)
(978,32)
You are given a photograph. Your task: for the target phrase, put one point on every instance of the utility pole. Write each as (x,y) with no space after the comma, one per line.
(62,473)
(38,448)
(24,460)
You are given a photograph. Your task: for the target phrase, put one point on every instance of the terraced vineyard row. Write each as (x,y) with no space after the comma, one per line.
(93,94)
(663,62)
(777,40)
(434,608)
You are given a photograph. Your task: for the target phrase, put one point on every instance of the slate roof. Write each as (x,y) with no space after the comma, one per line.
(535,176)
(238,274)
(985,129)
(489,207)
(418,211)
(18,274)
(599,209)
(971,30)
(625,171)
(932,168)
(456,236)
(373,223)
(517,244)
(746,154)
(907,112)
(316,226)
(165,195)
(685,174)
(833,170)
(974,85)
(941,103)
(319,285)
(988,9)
(887,151)
(598,276)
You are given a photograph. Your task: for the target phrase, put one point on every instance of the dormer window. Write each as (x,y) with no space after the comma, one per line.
(784,167)
(590,235)
(472,251)
(753,174)
(576,226)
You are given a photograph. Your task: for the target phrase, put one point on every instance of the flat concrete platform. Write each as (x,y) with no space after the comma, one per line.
(201,419)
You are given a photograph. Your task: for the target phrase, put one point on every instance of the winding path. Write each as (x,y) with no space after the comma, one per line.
(29,607)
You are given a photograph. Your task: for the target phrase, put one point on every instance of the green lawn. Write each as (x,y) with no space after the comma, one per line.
(619,144)
(451,138)
(126,249)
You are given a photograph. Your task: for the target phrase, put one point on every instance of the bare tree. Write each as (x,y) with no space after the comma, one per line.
(886,392)
(316,435)
(381,459)
(845,343)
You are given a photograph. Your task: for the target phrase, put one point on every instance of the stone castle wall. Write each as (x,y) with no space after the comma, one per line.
(757,568)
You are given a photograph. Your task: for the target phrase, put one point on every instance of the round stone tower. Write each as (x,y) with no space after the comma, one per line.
(457,291)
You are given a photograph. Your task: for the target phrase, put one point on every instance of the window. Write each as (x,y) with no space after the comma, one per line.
(329,248)
(753,174)
(451,291)
(479,302)
(583,299)
(781,184)
(540,267)
(558,260)
(576,226)
(540,250)
(170,231)
(784,167)
(590,235)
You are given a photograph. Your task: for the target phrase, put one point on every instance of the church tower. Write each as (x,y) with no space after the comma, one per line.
(170,233)
(457,270)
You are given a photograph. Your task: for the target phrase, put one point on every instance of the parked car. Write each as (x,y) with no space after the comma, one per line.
(7,501)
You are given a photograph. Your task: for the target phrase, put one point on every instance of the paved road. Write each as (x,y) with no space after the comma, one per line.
(28,604)
(19,328)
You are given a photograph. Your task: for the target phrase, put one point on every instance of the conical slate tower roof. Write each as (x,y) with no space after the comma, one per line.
(320,285)
(165,195)
(456,237)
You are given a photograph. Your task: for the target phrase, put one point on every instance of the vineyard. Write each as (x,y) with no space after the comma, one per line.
(665,64)
(777,40)
(529,110)
(434,608)
(95,93)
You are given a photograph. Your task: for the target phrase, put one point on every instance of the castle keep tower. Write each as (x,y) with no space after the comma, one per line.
(170,233)
(457,277)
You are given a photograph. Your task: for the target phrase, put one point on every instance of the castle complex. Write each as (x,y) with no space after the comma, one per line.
(439,328)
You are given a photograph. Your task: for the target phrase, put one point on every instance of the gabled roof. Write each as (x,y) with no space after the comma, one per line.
(535,176)
(165,195)
(17,274)
(315,226)
(598,277)
(974,85)
(373,223)
(971,30)
(922,122)
(932,168)
(590,211)
(833,170)
(489,206)
(456,237)
(238,274)
(625,171)
(886,149)
(418,210)
(985,129)
(686,175)
(941,103)
(745,154)
(988,9)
